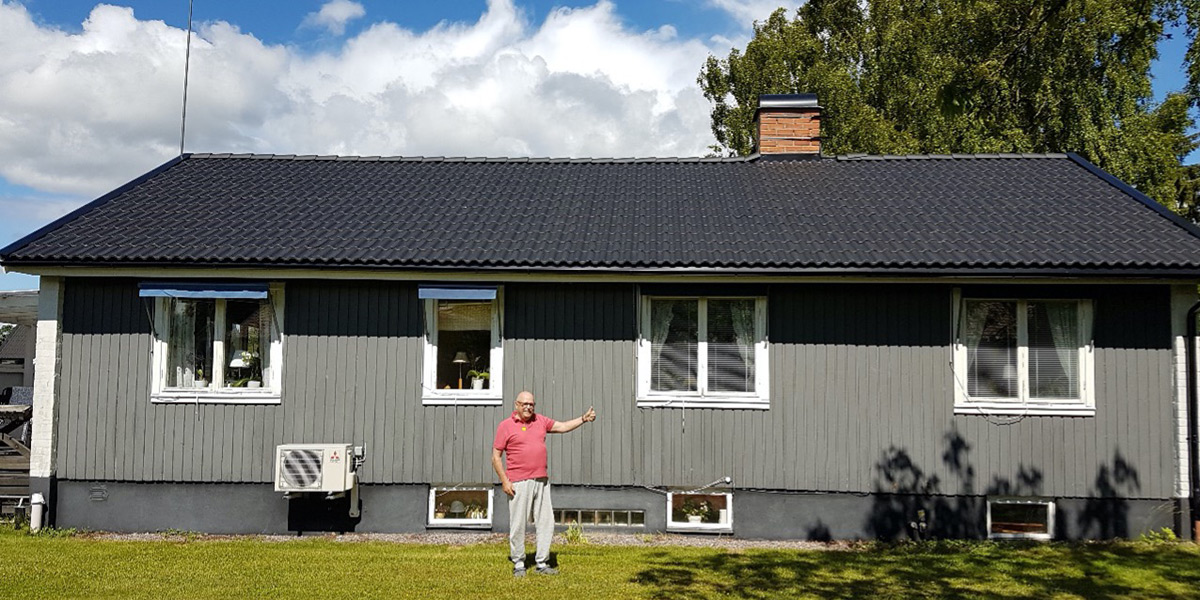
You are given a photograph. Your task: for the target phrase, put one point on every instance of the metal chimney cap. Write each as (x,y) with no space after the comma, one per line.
(806,100)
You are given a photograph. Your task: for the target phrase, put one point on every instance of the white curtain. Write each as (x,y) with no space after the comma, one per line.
(743,330)
(661,314)
(975,318)
(181,347)
(1064,325)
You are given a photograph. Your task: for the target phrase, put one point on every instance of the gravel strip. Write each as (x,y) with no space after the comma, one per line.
(456,538)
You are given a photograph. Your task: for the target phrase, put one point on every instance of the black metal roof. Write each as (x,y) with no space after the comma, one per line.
(972,214)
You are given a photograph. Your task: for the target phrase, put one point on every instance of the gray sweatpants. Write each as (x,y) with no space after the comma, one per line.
(530,495)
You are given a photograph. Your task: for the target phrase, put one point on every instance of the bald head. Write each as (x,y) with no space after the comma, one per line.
(525,405)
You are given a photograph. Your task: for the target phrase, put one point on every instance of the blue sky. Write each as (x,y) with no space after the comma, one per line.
(90,94)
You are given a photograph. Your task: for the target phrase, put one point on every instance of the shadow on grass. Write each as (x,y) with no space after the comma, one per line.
(945,570)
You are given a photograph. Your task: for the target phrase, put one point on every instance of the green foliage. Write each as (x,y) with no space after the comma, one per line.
(945,76)
(1166,535)
(5,329)
(574,534)
(55,532)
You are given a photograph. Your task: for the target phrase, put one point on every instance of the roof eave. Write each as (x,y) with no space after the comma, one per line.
(1188,272)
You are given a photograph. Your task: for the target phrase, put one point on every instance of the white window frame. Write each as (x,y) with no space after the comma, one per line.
(1050,513)
(270,393)
(686,526)
(494,394)
(1023,404)
(702,398)
(485,523)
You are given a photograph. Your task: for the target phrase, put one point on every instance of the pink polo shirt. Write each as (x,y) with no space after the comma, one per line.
(524,445)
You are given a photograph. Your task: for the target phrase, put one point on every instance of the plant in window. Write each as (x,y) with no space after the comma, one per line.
(478,379)
(439,512)
(696,511)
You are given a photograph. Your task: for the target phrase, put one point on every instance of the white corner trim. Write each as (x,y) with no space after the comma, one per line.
(43,459)
(1182,298)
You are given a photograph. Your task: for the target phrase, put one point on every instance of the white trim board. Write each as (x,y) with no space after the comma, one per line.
(1182,299)
(43,451)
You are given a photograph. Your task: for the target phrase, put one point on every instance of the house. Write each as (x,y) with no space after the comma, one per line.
(786,345)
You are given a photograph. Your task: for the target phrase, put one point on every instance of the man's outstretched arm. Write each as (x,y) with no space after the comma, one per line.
(573,424)
(499,467)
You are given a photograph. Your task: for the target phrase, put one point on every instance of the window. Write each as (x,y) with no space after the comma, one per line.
(1023,356)
(216,343)
(463,351)
(693,511)
(1020,519)
(600,517)
(456,506)
(707,350)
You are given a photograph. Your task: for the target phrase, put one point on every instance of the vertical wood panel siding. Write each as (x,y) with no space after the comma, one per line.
(861,396)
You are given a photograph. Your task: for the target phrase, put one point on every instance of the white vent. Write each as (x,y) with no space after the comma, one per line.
(314,468)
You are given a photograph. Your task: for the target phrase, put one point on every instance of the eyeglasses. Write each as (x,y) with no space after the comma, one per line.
(525,404)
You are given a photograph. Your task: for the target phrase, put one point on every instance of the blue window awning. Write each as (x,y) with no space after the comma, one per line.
(457,293)
(229,291)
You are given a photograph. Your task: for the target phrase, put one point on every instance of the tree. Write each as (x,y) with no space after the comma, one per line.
(5,329)
(945,76)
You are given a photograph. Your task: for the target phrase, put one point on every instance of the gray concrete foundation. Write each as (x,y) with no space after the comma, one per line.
(757,514)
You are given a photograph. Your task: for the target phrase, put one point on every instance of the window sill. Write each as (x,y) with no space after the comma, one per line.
(1018,409)
(215,397)
(462,400)
(678,527)
(1042,537)
(733,402)
(458,524)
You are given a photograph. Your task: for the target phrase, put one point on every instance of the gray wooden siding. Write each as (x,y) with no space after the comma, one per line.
(861,387)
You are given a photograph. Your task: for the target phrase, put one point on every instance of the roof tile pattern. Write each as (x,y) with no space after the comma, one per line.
(859,213)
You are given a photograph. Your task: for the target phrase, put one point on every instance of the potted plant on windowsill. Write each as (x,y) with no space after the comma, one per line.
(695,511)
(478,379)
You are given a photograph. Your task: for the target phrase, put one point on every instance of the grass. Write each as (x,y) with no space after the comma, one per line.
(81,567)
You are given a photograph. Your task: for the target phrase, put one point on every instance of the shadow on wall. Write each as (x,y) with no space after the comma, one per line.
(910,504)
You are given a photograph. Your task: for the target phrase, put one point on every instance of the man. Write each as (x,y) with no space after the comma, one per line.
(522,437)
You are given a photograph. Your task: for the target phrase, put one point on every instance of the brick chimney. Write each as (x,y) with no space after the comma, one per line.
(788,124)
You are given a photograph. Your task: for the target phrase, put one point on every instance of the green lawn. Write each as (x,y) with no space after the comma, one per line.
(78,567)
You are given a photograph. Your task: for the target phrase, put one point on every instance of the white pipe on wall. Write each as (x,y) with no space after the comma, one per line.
(37,512)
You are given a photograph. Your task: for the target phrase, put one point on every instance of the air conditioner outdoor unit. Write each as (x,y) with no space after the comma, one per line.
(327,468)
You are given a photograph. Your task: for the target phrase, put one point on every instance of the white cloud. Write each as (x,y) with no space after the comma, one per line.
(746,12)
(334,15)
(81,113)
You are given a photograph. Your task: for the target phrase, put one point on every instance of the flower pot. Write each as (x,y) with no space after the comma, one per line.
(477,383)
(201,383)
(254,384)
(695,519)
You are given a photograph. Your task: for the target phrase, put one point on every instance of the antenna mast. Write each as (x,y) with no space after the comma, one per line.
(187,59)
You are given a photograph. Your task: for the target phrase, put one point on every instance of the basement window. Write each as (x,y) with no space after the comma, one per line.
(702,512)
(602,517)
(1020,519)
(460,506)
